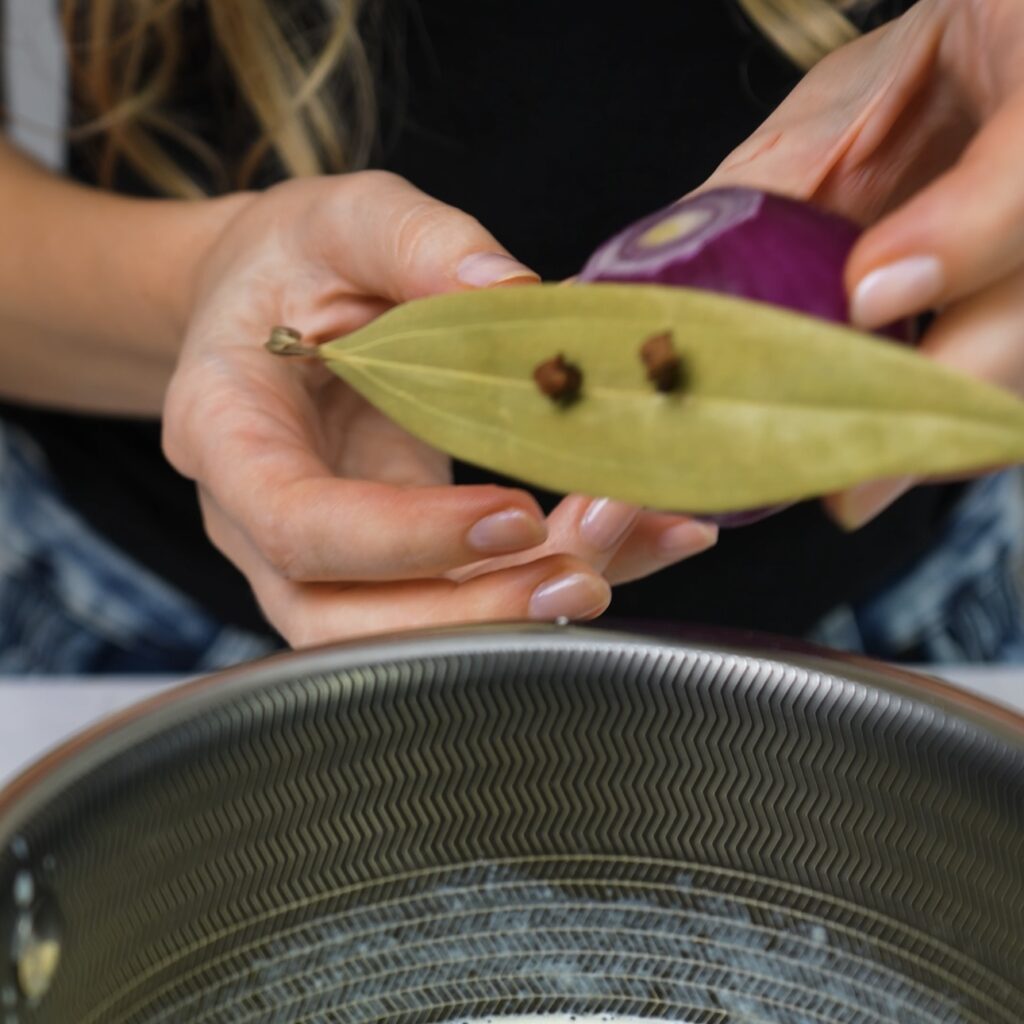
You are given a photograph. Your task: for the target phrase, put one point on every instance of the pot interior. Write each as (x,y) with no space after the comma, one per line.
(514,824)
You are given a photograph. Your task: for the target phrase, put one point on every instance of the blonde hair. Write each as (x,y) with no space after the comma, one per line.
(312,104)
(806,30)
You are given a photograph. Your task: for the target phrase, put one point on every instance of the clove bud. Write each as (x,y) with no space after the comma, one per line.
(664,367)
(559,379)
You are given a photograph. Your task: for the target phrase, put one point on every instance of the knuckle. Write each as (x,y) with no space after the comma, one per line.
(284,558)
(413,224)
(415,553)
(368,187)
(374,179)
(420,225)
(346,194)
(273,536)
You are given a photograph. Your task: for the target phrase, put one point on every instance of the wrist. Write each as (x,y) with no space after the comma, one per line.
(95,288)
(192,229)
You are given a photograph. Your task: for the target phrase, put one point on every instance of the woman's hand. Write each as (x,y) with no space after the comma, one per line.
(342,522)
(918,130)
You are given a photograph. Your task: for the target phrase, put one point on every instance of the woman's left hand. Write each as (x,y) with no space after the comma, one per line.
(918,130)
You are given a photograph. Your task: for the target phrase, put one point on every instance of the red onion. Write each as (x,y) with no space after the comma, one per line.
(741,242)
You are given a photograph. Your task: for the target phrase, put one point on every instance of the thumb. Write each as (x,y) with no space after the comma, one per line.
(958,236)
(393,241)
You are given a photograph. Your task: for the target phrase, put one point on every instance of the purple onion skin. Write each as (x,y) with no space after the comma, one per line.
(742,242)
(747,243)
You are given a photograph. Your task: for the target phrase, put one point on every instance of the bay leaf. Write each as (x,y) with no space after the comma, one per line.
(776,406)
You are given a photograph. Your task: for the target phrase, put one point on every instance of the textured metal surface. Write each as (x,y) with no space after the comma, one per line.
(542,821)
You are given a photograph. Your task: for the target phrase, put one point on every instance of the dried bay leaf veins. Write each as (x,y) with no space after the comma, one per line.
(780,406)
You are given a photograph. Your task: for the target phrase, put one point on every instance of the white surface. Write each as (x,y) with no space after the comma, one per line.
(35,78)
(36,715)
(1001,685)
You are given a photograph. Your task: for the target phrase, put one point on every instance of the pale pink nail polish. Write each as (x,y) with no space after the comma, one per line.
(605,523)
(576,596)
(896,291)
(483,269)
(511,530)
(688,539)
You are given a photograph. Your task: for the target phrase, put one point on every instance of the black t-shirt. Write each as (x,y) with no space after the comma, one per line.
(555,124)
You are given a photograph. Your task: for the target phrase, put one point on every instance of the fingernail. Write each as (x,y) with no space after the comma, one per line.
(859,505)
(481,269)
(577,596)
(688,538)
(605,523)
(896,291)
(511,530)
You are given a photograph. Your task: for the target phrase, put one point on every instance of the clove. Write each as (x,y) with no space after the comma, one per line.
(559,379)
(664,367)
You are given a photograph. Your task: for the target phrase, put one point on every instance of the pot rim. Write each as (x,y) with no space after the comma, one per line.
(42,780)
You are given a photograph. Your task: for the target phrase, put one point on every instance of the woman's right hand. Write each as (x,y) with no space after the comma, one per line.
(916,131)
(343,523)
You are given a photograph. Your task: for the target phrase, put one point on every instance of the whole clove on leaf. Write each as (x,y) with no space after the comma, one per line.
(663,364)
(559,379)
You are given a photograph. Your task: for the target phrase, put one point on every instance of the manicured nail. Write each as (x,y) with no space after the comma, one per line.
(482,269)
(688,539)
(858,506)
(511,530)
(896,291)
(576,596)
(605,523)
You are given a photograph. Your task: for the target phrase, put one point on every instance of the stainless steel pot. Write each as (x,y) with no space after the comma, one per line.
(524,820)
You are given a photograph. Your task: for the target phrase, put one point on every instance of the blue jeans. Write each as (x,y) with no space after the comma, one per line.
(72,603)
(961,602)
